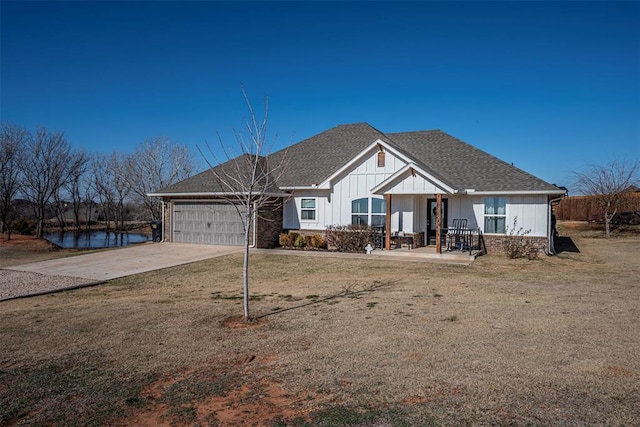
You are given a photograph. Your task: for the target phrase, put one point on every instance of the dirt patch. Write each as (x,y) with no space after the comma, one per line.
(244,401)
(239,322)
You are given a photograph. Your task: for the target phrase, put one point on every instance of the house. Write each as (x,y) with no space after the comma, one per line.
(406,183)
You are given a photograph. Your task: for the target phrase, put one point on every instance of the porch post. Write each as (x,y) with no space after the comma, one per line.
(387,224)
(438,223)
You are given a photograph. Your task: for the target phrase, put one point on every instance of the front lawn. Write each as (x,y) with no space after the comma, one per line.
(338,342)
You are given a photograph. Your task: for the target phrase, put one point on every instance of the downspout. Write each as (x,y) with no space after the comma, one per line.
(550,242)
(163,224)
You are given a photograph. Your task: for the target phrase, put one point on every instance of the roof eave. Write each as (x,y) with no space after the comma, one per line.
(472,192)
(216,194)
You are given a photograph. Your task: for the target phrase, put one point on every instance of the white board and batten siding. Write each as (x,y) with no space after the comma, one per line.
(334,205)
(410,193)
(413,183)
(211,223)
(531,212)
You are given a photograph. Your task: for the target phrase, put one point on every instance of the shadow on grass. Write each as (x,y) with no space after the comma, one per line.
(565,244)
(347,292)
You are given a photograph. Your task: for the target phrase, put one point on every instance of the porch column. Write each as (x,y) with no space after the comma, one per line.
(438,223)
(387,224)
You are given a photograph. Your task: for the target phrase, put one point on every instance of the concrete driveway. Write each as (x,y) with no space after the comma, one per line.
(111,264)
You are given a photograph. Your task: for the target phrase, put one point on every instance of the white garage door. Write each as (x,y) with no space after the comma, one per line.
(207,223)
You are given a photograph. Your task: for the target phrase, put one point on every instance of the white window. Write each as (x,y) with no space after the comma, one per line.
(368,211)
(378,212)
(308,209)
(495,214)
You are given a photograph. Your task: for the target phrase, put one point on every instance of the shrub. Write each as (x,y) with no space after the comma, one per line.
(23,226)
(294,236)
(299,241)
(285,240)
(349,238)
(317,242)
(516,245)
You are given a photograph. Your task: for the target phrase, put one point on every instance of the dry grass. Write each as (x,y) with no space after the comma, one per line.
(340,342)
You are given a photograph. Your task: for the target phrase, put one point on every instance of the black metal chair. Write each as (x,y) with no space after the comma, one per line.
(458,235)
(378,238)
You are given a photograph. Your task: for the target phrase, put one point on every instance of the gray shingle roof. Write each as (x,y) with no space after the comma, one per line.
(210,182)
(315,159)
(464,166)
(449,159)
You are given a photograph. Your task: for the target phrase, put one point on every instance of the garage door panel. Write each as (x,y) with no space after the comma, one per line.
(207,223)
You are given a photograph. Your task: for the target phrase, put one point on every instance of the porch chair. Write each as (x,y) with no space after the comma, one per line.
(457,234)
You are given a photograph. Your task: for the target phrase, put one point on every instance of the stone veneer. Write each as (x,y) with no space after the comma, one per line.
(495,243)
(269,224)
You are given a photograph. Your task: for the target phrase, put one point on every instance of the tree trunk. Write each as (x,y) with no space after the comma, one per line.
(245,266)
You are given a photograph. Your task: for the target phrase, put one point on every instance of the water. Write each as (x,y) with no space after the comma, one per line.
(95,239)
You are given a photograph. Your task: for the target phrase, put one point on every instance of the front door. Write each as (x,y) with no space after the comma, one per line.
(431,219)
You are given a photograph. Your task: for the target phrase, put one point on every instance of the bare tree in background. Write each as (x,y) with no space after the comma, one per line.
(45,168)
(610,185)
(68,188)
(103,185)
(79,165)
(12,144)
(119,168)
(248,181)
(112,187)
(87,192)
(157,163)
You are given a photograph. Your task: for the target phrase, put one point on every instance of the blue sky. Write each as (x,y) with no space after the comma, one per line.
(550,87)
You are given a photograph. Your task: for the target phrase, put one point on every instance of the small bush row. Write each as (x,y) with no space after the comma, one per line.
(300,241)
(349,238)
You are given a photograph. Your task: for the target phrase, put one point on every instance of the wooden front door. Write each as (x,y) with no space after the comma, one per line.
(431,220)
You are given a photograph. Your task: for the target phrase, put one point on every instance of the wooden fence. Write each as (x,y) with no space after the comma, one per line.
(584,208)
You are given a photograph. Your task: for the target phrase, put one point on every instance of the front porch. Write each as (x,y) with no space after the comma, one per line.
(427,253)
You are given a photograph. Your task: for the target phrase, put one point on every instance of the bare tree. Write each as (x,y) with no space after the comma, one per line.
(86,192)
(157,163)
(103,185)
(248,181)
(119,167)
(78,168)
(113,187)
(45,170)
(12,144)
(609,184)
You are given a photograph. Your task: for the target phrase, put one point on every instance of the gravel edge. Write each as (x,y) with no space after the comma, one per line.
(21,284)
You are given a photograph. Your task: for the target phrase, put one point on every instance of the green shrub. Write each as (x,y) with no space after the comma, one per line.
(300,241)
(294,237)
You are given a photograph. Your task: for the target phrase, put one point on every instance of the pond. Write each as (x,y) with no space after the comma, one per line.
(95,239)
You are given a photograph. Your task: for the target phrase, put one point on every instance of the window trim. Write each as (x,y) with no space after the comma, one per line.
(369,214)
(314,210)
(495,201)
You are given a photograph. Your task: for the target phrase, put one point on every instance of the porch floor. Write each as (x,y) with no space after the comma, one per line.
(427,253)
